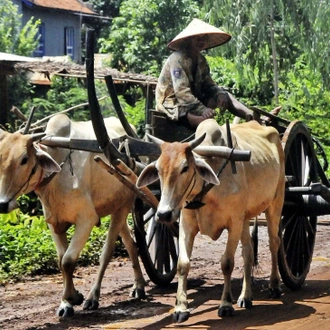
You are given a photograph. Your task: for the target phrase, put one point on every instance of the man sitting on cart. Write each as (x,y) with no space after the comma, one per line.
(185,90)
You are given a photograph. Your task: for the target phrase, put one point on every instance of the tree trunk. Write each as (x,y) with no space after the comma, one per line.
(274,52)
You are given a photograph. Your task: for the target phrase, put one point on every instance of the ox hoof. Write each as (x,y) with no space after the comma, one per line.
(65,311)
(244,303)
(275,293)
(226,311)
(179,317)
(138,293)
(75,300)
(91,304)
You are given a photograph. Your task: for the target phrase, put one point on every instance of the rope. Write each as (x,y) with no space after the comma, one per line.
(197,201)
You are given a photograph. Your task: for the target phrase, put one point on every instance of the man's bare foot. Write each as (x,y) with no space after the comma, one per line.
(273,112)
(276,111)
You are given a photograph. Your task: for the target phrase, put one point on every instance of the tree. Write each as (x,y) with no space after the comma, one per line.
(14,38)
(269,36)
(108,9)
(139,36)
(280,48)
(258,39)
(19,40)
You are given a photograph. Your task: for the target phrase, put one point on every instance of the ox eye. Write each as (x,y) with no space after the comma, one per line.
(185,169)
(24,160)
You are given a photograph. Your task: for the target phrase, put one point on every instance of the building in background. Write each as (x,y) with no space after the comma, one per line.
(61,24)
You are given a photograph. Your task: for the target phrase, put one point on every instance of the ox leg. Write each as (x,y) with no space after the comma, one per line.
(92,301)
(118,225)
(273,221)
(187,235)
(245,298)
(71,296)
(61,244)
(139,282)
(227,266)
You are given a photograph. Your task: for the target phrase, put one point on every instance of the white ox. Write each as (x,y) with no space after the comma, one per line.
(234,199)
(79,194)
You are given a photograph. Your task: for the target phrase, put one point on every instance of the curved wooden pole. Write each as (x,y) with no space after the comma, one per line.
(113,94)
(110,151)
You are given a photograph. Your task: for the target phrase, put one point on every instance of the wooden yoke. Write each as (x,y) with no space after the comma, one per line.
(125,175)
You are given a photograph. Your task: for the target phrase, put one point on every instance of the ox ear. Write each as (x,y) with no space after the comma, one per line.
(147,176)
(205,171)
(46,162)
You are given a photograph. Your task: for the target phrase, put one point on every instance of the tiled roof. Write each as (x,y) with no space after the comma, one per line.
(69,5)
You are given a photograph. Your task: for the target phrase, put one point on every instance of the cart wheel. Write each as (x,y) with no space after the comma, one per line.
(157,244)
(297,230)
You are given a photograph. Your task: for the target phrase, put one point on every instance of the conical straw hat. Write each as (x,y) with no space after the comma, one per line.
(196,27)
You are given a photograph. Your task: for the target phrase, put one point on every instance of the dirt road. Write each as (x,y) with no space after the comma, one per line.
(32,304)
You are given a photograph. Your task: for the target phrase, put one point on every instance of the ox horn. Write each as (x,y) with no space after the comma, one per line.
(223,152)
(197,141)
(37,136)
(29,121)
(155,140)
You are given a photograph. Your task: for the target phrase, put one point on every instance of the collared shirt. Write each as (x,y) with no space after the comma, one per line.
(184,86)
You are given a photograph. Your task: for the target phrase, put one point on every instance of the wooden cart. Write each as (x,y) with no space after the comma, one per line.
(307,194)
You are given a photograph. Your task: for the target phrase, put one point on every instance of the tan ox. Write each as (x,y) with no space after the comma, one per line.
(79,194)
(257,187)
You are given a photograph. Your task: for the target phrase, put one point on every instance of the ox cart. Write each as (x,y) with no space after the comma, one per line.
(307,193)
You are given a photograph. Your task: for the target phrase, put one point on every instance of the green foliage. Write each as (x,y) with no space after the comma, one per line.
(135,114)
(30,205)
(70,92)
(66,93)
(63,94)
(91,252)
(20,91)
(27,248)
(14,38)
(225,73)
(106,8)
(304,98)
(140,34)
(298,27)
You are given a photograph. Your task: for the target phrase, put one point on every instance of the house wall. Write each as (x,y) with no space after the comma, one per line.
(55,23)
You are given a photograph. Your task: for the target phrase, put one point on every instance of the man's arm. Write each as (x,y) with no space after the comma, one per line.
(226,101)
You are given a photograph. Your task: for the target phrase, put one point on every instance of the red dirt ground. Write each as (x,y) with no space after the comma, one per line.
(31,304)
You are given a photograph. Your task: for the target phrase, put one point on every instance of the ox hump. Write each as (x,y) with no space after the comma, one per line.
(59,125)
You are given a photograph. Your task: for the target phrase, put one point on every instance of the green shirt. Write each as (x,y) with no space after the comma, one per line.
(184,86)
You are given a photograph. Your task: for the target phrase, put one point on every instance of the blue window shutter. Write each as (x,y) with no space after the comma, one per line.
(40,51)
(69,41)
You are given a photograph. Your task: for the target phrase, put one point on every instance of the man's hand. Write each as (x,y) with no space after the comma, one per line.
(223,101)
(208,113)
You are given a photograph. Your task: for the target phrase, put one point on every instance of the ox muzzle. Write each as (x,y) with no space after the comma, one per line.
(4,207)
(7,206)
(167,216)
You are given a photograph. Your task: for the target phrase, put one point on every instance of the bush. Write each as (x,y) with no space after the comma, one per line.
(27,248)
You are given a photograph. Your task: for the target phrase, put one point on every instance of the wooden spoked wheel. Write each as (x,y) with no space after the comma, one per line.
(297,229)
(157,244)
